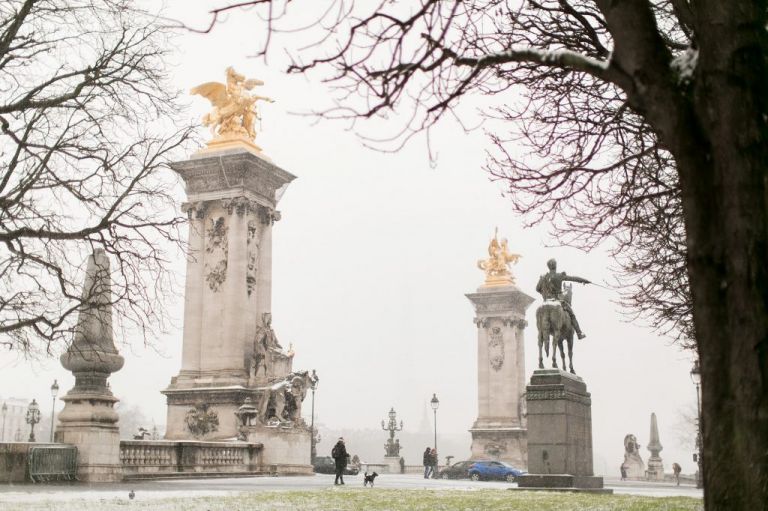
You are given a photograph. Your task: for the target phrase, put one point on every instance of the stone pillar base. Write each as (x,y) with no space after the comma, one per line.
(98,451)
(222,402)
(393,464)
(286,449)
(559,427)
(500,443)
(562,482)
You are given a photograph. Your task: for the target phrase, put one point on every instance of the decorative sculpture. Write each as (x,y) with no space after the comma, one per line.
(202,420)
(555,318)
(496,267)
(282,404)
(234,110)
(633,463)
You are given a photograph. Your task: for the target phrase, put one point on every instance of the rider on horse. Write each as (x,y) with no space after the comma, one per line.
(551,288)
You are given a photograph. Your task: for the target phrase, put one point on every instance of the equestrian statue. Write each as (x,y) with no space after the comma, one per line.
(555,318)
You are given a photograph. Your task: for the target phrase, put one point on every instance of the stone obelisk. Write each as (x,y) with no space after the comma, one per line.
(232,195)
(88,419)
(500,429)
(655,465)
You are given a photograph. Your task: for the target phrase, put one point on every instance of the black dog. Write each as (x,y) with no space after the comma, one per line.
(368,478)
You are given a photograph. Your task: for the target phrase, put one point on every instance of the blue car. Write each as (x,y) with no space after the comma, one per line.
(499,470)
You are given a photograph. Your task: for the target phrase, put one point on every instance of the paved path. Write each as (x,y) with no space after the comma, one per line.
(147,490)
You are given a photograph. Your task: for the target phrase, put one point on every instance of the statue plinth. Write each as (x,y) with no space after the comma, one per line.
(230,143)
(559,432)
(500,431)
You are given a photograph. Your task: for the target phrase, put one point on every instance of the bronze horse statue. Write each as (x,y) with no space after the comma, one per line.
(553,322)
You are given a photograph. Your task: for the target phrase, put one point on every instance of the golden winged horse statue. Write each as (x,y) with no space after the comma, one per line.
(234,113)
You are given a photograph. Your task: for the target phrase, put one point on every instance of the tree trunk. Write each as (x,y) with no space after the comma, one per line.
(725,201)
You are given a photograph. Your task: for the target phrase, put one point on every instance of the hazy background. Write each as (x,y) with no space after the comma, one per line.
(372,259)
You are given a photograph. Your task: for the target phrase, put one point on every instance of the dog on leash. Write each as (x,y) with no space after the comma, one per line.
(368,478)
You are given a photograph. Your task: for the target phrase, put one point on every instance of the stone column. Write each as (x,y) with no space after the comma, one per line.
(88,419)
(227,288)
(193,299)
(655,464)
(500,429)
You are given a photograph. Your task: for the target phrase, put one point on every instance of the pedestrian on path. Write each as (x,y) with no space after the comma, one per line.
(676,468)
(433,460)
(427,458)
(340,456)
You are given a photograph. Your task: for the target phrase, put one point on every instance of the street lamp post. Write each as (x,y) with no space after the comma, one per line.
(392,448)
(5,412)
(54,393)
(696,379)
(32,418)
(314,380)
(435,403)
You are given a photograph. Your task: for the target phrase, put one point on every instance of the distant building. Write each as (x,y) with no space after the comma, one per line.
(14,420)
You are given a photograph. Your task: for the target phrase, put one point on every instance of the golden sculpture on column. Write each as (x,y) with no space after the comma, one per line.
(496,267)
(233,118)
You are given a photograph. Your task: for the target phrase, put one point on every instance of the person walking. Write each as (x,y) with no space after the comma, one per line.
(433,459)
(340,456)
(676,468)
(427,458)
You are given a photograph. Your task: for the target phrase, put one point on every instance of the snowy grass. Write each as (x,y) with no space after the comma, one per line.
(336,499)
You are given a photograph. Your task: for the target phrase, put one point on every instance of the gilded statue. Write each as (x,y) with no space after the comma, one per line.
(234,111)
(496,267)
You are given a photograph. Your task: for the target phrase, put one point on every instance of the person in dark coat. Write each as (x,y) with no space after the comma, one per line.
(340,456)
(433,460)
(427,462)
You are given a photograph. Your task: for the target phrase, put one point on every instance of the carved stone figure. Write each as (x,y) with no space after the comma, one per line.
(234,110)
(282,404)
(264,340)
(633,463)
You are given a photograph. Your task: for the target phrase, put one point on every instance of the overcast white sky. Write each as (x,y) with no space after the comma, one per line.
(372,259)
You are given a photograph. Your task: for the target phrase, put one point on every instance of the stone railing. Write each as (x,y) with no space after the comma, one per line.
(148,458)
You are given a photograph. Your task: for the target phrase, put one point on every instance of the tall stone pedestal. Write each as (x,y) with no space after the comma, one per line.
(88,419)
(559,432)
(500,432)
(229,349)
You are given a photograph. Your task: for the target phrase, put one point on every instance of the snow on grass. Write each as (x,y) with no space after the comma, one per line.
(337,499)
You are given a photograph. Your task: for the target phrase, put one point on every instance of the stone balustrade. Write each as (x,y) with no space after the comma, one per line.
(141,458)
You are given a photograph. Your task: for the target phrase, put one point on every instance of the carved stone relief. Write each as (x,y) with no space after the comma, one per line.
(201,420)
(253,255)
(217,248)
(496,348)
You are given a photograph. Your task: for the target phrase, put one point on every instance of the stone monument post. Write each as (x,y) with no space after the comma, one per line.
(559,406)
(500,429)
(655,470)
(88,419)
(236,381)
(232,196)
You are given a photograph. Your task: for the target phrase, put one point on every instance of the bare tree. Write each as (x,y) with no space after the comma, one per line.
(85,112)
(637,113)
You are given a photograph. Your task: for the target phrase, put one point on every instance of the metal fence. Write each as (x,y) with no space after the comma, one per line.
(53,463)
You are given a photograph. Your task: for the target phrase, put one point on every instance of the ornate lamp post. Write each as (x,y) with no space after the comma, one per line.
(314,381)
(54,393)
(5,412)
(435,403)
(392,448)
(33,417)
(696,379)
